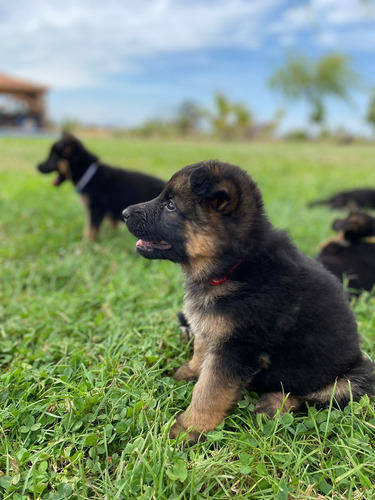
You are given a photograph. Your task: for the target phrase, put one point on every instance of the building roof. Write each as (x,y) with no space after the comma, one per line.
(9,84)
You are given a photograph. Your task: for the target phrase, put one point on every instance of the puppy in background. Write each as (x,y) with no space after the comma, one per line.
(104,190)
(350,255)
(262,314)
(352,200)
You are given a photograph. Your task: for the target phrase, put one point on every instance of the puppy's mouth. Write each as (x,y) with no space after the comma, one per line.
(149,246)
(59,180)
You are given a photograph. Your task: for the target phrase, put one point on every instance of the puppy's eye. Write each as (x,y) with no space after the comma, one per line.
(170,205)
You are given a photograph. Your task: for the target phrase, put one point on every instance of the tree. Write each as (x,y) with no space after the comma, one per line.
(229,120)
(221,119)
(314,81)
(188,118)
(370,117)
(242,119)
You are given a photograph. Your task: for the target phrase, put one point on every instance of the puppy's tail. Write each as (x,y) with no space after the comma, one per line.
(355,383)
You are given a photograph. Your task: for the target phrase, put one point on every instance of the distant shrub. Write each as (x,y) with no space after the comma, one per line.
(297,135)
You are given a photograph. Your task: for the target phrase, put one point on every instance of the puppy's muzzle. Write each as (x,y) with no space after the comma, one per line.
(134,210)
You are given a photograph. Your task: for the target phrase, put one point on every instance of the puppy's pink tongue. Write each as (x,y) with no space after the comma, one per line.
(59,179)
(152,245)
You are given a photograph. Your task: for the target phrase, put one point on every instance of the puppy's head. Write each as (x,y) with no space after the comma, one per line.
(208,213)
(64,157)
(357,225)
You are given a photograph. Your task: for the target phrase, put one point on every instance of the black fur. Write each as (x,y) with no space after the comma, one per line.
(108,190)
(356,198)
(280,321)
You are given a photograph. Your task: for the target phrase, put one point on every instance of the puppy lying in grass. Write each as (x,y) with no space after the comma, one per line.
(353,199)
(262,314)
(350,255)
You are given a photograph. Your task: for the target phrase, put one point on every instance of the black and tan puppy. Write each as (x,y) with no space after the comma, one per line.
(262,313)
(354,199)
(104,190)
(351,254)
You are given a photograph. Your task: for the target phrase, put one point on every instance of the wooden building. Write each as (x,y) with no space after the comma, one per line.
(22,103)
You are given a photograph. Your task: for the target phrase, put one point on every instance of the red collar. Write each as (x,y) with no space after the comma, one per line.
(225,277)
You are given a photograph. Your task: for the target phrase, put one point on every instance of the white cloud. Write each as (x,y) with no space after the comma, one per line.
(77,44)
(324,18)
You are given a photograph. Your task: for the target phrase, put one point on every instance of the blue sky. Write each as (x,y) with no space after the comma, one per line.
(121,62)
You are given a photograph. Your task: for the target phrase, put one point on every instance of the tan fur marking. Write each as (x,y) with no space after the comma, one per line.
(67,150)
(341,389)
(264,361)
(85,200)
(200,249)
(64,167)
(270,402)
(211,401)
(368,239)
(198,244)
(228,206)
(91,233)
(191,370)
(357,219)
(212,326)
(179,184)
(339,238)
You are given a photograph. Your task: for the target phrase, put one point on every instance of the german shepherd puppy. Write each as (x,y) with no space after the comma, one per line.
(354,199)
(104,190)
(351,254)
(262,314)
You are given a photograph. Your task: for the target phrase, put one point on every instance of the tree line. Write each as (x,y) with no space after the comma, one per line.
(298,79)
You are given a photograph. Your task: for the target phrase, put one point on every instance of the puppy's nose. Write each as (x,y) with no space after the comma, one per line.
(126,214)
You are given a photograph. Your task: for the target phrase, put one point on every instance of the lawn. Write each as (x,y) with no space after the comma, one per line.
(89,337)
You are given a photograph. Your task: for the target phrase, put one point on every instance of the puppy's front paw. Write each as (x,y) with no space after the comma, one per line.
(185,373)
(179,428)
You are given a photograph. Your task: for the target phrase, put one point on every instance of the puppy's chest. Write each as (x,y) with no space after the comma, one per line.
(205,319)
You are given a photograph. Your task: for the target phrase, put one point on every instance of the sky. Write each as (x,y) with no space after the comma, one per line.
(121,62)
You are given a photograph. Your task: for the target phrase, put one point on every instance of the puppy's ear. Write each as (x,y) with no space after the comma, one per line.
(220,193)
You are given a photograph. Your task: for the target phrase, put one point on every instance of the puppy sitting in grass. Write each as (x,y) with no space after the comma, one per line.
(262,314)
(103,189)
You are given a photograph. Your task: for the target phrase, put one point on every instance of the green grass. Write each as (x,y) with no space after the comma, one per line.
(88,338)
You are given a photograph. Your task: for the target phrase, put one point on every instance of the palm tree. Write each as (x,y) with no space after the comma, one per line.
(242,119)
(315,81)
(229,120)
(221,120)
